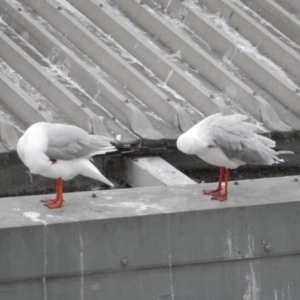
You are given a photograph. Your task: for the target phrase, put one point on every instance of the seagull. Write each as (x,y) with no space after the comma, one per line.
(61,152)
(228,142)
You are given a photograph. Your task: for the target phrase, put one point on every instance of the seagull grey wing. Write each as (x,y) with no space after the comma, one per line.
(231,144)
(238,140)
(230,134)
(67,142)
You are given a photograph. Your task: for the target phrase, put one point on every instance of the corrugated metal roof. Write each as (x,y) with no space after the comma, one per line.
(148,70)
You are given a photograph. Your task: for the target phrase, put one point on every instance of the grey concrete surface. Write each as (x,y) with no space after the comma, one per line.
(140,48)
(154,243)
(203,63)
(110,98)
(293,5)
(277,16)
(8,135)
(147,243)
(256,34)
(247,62)
(41,80)
(14,98)
(110,62)
(137,76)
(153,171)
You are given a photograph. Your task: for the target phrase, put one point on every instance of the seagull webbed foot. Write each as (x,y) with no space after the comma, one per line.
(216,192)
(54,204)
(58,200)
(220,197)
(48,201)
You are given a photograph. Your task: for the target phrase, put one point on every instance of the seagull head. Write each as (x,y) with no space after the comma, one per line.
(190,144)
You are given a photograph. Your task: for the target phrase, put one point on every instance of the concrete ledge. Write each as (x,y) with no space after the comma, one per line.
(153,171)
(154,243)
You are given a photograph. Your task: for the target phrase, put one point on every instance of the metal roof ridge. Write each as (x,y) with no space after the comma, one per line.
(48,86)
(17,101)
(90,80)
(281,89)
(149,56)
(109,61)
(285,22)
(201,61)
(257,35)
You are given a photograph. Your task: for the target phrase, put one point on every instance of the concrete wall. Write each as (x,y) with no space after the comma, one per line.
(154,243)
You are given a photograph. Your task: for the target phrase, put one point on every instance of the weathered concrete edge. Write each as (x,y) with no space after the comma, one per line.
(153,171)
(171,199)
(143,226)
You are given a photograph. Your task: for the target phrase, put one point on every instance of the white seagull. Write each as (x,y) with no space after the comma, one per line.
(227,142)
(62,151)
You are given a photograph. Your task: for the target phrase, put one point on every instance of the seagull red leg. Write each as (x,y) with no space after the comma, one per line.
(59,195)
(222,197)
(56,196)
(58,200)
(217,191)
